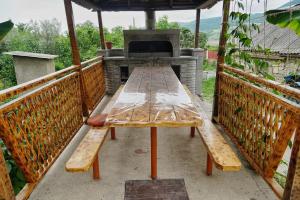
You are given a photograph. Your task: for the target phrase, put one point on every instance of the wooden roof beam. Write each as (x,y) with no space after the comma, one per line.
(139,5)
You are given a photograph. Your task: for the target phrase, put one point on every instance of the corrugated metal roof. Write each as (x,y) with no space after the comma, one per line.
(279,40)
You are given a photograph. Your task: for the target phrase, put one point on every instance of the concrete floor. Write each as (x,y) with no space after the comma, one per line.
(128,158)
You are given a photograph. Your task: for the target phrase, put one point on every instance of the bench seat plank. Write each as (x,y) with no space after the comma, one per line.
(218,149)
(221,153)
(84,155)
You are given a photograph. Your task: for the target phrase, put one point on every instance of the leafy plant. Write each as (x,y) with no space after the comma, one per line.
(16,175)
(240,43)
(285,18)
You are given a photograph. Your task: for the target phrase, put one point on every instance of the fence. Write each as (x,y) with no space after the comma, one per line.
(40,117)
(258,118)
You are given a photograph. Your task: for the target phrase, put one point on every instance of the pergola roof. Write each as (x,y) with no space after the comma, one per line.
(141,5)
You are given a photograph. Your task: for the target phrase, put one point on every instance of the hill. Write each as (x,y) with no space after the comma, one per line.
(292,3)
(211,26)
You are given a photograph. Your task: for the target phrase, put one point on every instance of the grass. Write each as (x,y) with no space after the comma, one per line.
(280,179)
(209,66)
(208,87)
(212,48)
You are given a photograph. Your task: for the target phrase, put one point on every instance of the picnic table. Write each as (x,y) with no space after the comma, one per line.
(153,97)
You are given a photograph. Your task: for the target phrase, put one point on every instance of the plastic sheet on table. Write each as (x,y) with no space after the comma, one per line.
(153,96)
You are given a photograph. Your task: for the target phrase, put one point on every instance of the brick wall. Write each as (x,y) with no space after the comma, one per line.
(188,71)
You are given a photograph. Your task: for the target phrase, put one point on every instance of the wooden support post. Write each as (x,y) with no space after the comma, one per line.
(209,165)
(153,152)
(96,169)
(198,11)
(113,133)
(192,132)
(75,53)
(221,56)
(102,39)
(292,186)
(6,189)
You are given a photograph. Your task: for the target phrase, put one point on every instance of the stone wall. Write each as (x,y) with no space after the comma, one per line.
(281,68)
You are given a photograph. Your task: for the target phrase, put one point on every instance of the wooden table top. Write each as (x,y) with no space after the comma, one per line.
(153,97)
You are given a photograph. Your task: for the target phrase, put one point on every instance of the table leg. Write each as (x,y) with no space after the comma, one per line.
(192,132)
(113,133)
(96,170)
(153,152)
(209,165)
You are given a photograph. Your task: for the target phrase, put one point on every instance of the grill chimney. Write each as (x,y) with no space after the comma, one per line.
(150,19)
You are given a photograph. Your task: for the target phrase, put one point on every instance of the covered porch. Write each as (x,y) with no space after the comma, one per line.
(128,158)
(43,121)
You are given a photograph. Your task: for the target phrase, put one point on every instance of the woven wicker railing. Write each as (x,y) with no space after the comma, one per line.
(258,117)
(40,117)
(36,126)
(95,83)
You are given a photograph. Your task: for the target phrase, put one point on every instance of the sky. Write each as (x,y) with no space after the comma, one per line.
(25,10)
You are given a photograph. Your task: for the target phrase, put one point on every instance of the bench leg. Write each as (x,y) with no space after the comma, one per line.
(153,152)
(209,165)
(113,133)
(96,170)
(192,132)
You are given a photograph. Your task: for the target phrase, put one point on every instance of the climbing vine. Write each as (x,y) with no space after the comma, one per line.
(240,44)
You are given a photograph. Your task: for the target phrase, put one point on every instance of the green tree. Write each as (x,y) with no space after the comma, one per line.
(88,40)
(186,36)
(163,23)
(115,36)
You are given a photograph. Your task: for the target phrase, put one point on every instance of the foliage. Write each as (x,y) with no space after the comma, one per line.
(5,27)
(16,175)
(280,179)
(212,48)
(240,41)
(208,87)
(209,65)
(186,36)
(285,18)
(115,36)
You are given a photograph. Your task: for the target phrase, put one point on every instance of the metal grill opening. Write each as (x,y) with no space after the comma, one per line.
(150,48)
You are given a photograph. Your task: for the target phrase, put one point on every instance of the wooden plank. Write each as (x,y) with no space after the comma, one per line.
(292,186)
(281,87)
(102,39)
(152,97)
(84,155)
(217,147)
(75,53)
(221,56)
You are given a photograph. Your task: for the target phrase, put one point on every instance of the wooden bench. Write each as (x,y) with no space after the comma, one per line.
(86,154)
(218,150)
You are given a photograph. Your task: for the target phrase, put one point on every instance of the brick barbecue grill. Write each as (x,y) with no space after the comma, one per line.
(152,48)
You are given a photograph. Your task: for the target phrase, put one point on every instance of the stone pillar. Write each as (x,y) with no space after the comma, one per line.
(29,66)
(150,19)
(199,53)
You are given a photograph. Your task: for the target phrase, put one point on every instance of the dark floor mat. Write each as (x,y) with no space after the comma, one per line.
(165,189)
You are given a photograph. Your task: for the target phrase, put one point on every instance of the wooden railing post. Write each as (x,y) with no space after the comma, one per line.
(75,53)
(197,28)
(102,39)
(221,56)
(292,186)
(6,189)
